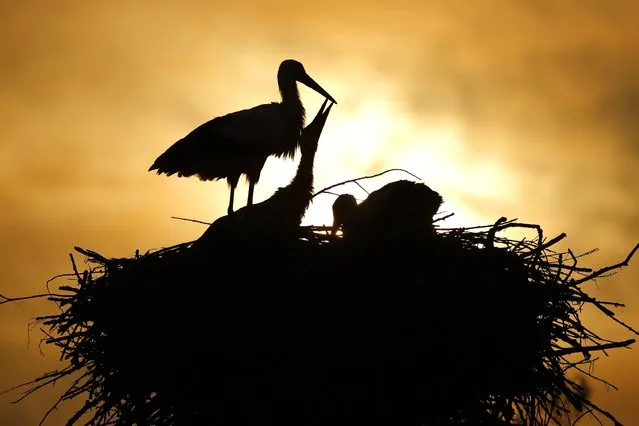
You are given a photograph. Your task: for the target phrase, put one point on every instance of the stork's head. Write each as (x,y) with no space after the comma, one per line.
(291,70)
(344,210)
(312,132)
(430,200)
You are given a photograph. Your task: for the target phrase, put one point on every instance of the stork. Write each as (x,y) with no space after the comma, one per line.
(283,211)
(240,142)
(401,206)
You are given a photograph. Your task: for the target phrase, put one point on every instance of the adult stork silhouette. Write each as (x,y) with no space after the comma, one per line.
(402,207)
(240,142)
(282,213)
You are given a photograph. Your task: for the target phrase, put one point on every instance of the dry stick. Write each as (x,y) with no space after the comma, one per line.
(191,220)
(4,299)
(568,351)
(582,415)
(560,268)
(592,376)
(607,268)
(543,246)
(490,237)
(91,254)
(362,188)
(62,398)
(612,316)
(509,224)
(574,264)
(88,405)
(47,378)
(439,219)
(336,194)
(75,268)
(58,276)
(586,298)
(598,273)
(362,178)
(588,403)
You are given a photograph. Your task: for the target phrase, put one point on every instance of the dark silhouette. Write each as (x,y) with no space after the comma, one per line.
(240,142)
(282,213)
(400,207)
(305,330)
(263,321)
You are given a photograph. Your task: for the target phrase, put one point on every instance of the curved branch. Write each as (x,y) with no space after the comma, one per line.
(328,188)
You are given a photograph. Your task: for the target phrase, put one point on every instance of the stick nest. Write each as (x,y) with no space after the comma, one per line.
(467,327)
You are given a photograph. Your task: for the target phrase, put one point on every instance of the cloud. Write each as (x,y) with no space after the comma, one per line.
(542,95)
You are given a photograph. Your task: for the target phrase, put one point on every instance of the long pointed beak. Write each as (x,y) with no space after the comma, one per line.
(308,81)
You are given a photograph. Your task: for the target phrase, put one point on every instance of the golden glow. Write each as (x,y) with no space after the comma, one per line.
(508,113)
(368,135)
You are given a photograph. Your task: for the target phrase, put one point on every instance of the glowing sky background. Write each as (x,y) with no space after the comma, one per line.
(526,109)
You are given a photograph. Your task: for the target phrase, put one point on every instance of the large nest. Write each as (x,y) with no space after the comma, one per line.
(466,327)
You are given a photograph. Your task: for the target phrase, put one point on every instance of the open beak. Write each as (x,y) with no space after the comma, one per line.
(322,114)
(308,81)
(320,119)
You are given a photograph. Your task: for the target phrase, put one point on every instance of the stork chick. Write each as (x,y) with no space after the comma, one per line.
(282,213)
(401,207)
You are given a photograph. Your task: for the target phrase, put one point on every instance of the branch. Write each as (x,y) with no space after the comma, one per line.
(444,217)
(568,351)
(191,220)
(91,254)
(328,188)
(608,268)
(4,299)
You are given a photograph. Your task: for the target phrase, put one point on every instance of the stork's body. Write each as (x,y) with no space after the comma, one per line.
(282,213)
(401,207)
(239,143)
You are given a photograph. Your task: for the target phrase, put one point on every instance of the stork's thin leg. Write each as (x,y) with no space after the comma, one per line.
(250,194)
(230,209)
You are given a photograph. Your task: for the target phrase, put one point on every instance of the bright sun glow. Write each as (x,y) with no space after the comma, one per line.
(374,138)
(370,131)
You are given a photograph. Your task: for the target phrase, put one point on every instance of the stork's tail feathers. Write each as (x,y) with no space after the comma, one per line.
(159,168)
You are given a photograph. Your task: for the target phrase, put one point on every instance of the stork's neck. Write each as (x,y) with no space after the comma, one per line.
(302,183)
(291,100)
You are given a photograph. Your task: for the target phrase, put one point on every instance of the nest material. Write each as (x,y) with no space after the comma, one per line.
(465,327)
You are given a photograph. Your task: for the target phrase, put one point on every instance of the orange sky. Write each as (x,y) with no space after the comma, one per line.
(517,109)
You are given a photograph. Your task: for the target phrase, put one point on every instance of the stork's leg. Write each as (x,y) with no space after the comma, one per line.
(253,176)
(250,194)
(232,181)
(230,209)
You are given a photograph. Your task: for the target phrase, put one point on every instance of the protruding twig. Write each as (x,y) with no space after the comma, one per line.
(191,220)
(568,351)
(4,299)
(608,268)
(328,188)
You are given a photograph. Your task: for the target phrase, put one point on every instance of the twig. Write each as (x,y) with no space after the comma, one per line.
(191,220)
(4,299)
(363,189)
(444,217)
(568,351)
(546,245)
(91,254)
(490,237)
(362,178)
(608,268)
